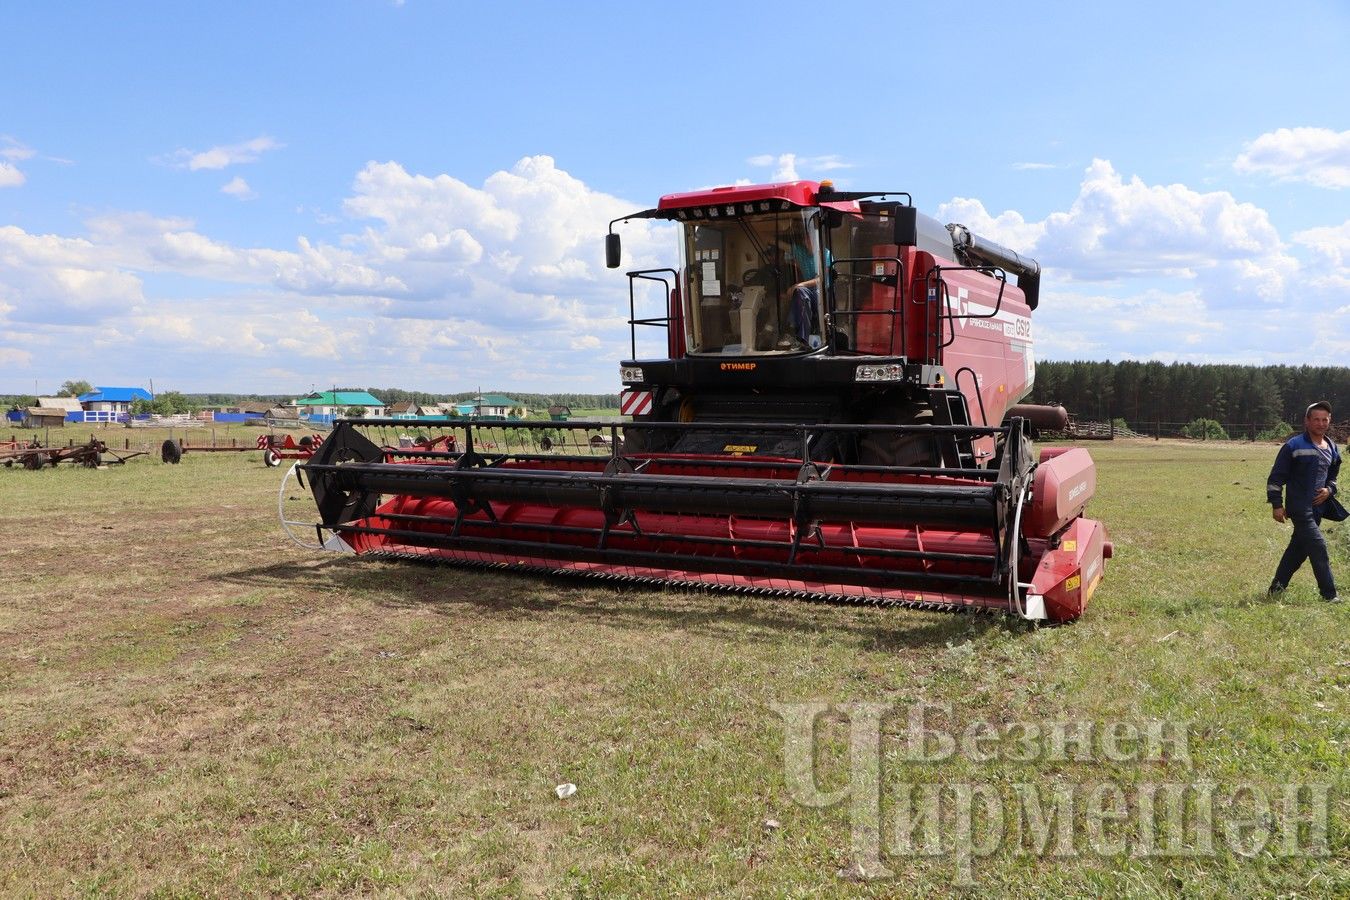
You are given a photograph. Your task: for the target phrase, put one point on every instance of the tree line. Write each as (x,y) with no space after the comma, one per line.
(1144,392)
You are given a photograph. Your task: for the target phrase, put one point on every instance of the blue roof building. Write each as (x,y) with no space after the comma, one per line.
(115,395)
(108,404)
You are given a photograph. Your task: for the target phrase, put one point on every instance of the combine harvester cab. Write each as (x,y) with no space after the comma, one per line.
(835,416)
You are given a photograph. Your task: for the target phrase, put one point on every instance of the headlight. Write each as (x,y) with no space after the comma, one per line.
(890,372)
(631,374)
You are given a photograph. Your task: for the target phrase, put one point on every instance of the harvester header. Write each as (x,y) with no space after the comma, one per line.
(836,415)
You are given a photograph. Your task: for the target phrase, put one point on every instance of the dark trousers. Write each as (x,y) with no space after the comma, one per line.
(1307,543)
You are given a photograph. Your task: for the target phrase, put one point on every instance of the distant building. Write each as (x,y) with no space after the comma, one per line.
(69,404)
(110,404)
(52,412)
(37,417)
(45,416)
(407,409)
(112,399)
(336,403)
(495,406)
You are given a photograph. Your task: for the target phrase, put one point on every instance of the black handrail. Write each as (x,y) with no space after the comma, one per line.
(898,309)
(659,322)
(956,382)
(934,277)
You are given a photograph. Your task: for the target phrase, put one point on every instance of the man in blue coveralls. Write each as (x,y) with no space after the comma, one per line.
(1305,473)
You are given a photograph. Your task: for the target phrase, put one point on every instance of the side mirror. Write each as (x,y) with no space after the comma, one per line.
(613,250)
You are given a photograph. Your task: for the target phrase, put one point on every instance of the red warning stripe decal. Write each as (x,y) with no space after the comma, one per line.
(635,403)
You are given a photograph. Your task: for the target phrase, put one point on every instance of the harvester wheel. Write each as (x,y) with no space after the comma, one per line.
(171,452)
(270,458)
(899,449)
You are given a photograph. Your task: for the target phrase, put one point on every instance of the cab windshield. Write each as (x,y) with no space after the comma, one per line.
(752,284)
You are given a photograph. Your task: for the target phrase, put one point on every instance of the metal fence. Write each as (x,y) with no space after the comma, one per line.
(1248,432)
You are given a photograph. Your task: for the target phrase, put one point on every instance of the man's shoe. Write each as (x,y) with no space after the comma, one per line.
(1331,599)
(1275,590)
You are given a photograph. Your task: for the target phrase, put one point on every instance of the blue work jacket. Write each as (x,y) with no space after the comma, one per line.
(1294,476)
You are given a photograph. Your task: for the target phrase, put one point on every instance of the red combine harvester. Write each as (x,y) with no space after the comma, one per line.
(835,417)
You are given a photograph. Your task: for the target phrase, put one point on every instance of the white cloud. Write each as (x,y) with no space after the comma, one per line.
(1159,324)
(10,176)
(12,149)
(1178,274)
(1157,312)
(1007,228)
(526,247)
(224,155)
(1329,272)
(1332,243)
(500,283)
(238,188)
(54,279)
(435,282)
(1318,156)
(786,166)
(1120,229)
(13,356)
(142,242)
(1032,166)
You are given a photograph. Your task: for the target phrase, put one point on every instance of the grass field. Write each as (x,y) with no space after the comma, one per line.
(191,705)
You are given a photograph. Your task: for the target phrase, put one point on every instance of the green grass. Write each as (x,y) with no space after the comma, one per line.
(598,412)
(192,706)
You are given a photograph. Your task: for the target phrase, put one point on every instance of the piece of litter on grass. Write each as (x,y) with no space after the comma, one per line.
(1168,637)
(565,790)
(772,824)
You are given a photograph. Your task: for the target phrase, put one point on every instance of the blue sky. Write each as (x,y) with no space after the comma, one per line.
(269,197)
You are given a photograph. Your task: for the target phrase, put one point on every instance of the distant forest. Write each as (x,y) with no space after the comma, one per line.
(1144,392)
